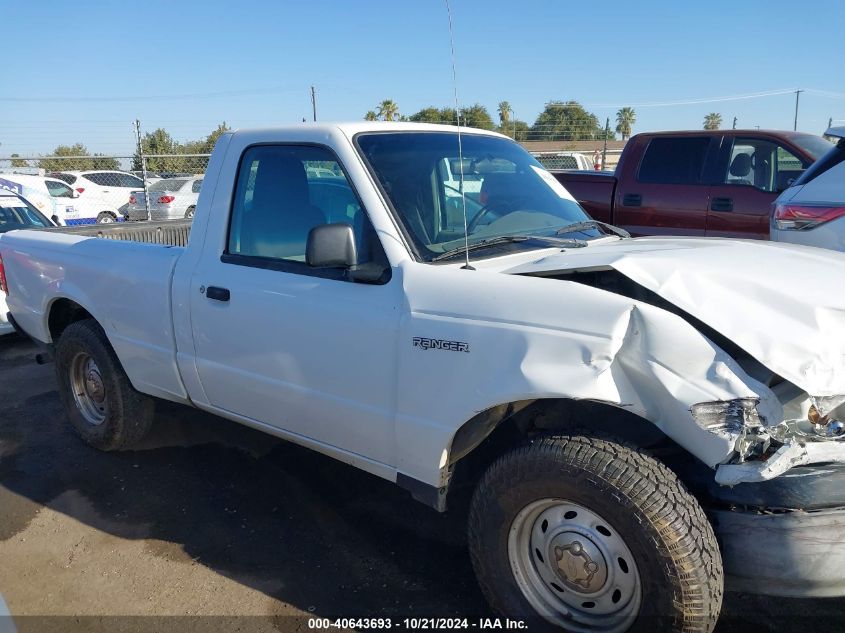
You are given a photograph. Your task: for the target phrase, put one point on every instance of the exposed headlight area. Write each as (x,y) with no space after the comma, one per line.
(763,450)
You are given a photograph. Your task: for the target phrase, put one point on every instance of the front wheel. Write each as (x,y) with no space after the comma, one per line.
(106,218)
(582,534)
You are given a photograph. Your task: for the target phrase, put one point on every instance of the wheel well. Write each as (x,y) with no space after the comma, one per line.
(495,431)
(63,312)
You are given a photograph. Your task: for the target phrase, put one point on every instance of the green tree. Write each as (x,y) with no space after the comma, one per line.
(432,115)
(371,116)
(625,119)
(388,110)
(159,141)
(505,112)
(566,121)
(18,162)
(713,121)
(477,116)
(82,159)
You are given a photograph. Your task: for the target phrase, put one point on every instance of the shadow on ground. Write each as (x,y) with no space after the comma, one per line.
(305,529)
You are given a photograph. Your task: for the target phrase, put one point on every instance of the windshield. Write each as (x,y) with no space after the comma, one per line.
(16,213)
(815,146)
(507,192)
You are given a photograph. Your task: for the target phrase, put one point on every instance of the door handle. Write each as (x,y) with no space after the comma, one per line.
(722,204)
(632,200)
(217,294)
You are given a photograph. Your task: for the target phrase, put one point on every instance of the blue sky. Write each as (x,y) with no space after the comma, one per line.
(83,70)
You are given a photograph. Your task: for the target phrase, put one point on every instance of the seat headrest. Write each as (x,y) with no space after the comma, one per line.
(280,178)
(741,165)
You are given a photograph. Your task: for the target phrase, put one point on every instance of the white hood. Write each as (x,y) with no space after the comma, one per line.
(783,304)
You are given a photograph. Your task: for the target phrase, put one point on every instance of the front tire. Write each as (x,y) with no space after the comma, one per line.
(106,217)
(583,534)
(101,404)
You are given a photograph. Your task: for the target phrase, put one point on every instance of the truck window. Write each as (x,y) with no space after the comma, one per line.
(762,164)
(674,161)
(276,205)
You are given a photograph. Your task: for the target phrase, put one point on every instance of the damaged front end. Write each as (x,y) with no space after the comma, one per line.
(763,451)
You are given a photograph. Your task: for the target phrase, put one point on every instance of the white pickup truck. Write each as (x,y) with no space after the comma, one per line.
(638,418)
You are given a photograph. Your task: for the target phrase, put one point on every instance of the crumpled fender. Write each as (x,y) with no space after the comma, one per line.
(523,338)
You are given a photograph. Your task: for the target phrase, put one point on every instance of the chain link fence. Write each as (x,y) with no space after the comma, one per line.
(75,190)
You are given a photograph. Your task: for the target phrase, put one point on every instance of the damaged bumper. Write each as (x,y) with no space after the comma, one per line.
(793,553)
(785,458)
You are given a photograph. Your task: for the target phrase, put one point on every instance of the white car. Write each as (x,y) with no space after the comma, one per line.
(15,213)
(812,210)
(104,192)
(50,196)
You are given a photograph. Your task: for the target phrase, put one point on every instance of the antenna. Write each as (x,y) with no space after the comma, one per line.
(466,266)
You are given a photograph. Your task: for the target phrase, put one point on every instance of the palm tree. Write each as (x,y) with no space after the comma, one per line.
(505,112)
(713,121)
(388,110)
(370,116)
(625,119)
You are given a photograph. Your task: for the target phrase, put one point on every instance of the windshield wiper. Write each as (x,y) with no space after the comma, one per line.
(592,224)
(506,239)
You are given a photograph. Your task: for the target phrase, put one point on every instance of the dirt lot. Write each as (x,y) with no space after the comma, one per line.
(217,522)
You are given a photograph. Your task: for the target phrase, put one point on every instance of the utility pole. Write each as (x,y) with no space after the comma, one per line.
(830,123)
(734,127)
(797,94)
(143,168)
(314,103)
(604,151)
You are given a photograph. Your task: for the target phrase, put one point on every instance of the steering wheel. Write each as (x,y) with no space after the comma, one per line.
(483,211)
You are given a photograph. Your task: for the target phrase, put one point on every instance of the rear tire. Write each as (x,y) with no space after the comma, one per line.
(101,404)
(106,217)
(189,213)
(582,534)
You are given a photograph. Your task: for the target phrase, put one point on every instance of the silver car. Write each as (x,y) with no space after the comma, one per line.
(170,199)
(812,210)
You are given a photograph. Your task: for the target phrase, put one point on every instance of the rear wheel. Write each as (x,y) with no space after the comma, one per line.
(582,534)
(106,217)
(190,213)
(102,406)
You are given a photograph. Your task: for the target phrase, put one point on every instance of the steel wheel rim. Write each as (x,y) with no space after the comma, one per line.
(106,219)
(89,392)
(573,568)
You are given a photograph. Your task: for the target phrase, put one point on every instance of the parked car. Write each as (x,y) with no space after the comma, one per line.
(701,183)
(812,210)
(170,199)
(15,213)
(50,196)
(105,193)
(613,404)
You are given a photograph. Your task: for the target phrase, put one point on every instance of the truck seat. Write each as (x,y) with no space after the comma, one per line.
(281,216)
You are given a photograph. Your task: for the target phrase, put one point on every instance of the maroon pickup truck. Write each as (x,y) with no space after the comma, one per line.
(713,183)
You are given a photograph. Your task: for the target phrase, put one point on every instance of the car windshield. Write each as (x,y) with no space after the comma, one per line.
(814,145)
(17,213)
(507,192)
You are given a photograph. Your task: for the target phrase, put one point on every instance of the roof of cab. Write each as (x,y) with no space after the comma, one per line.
(356,127)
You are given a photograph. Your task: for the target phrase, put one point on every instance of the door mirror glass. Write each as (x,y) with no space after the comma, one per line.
(331,246)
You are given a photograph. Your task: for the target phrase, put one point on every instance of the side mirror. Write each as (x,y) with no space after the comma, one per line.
(331,246)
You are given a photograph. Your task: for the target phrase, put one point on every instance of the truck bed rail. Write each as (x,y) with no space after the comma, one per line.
(165,233)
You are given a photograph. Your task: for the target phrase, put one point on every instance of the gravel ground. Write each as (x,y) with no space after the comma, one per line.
(230,529)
